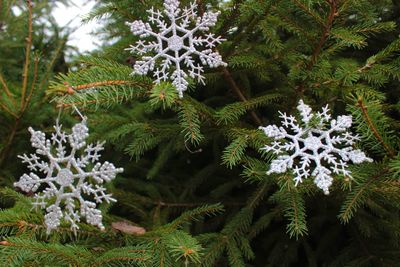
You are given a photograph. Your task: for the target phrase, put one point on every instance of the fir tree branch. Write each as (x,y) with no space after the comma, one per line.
(235,151)
(373,128)
(192,215)
(5,87)
(71,89)
(27,54)
(129,259)
(325,34)
(41,249)
(293,24)
(35,74)
(309,11)
(350,207)
(235,88)
(3,106)
(259,194)
(327,27)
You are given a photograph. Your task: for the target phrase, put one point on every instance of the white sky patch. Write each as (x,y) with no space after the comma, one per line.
(71,16)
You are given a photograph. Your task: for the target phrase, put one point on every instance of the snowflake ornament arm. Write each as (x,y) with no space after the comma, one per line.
(317,150)
(66,178)
(176,44)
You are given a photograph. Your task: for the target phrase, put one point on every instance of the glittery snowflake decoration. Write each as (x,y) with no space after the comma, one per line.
(176,43)
(65,180)
(318,146)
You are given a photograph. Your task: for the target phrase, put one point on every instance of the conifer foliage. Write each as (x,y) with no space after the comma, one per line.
(196,188)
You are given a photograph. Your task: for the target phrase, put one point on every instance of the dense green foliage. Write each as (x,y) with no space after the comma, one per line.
(195,177)
(32,49)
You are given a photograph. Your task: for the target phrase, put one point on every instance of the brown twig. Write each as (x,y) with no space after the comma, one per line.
(35,75)
(3,106)
(227,75)
(27,54)
(373,128)
(5,87)
(200,6)
(102,83)
(69,89)
(235,88)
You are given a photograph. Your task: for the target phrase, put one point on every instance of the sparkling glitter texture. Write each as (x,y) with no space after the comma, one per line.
(316,147)
(65,179)
(176,43)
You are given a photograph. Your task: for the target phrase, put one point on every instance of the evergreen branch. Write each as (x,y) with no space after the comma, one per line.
(205,112)
(327,26)
(190,122)
(348,209)
(292,25)
(193,215)
(5,87)
(164,154)
(140,256)
(27,54)
(258,196)
(325,34)
(35,74)
(235,151)
(180,245)
(262,223)
(85,86)
(357,197)
(43,250)
(71,89)
(119,259)
(232,112)
(385,53)
(214,251)
(8,110)
(234,255)
(293,205)
(309,11)
(373,128)
(297,225)
(395,166)
(235,88)
(374,28)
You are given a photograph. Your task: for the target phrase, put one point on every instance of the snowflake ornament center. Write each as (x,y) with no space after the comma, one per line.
(160,55)
(318,151)
(312,143)
(175,43)
(65,177)
(66,188)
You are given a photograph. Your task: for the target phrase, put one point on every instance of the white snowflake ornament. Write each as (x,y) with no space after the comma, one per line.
(318,146)
(176,43)
(67,178)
